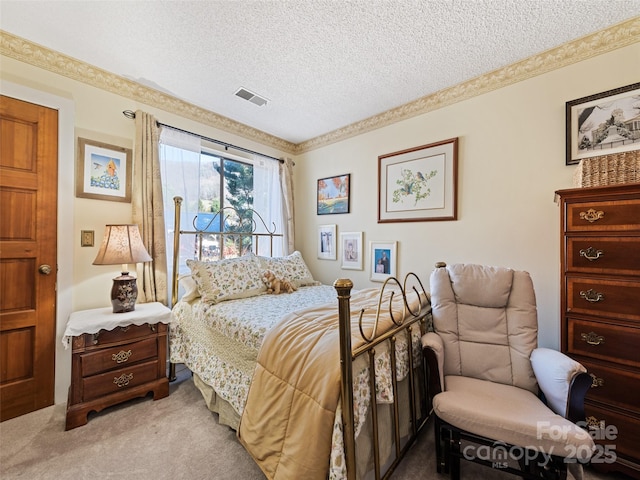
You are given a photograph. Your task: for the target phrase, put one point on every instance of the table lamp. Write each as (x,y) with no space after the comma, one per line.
(122,245)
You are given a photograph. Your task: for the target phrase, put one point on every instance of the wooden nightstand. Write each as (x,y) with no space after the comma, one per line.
(116,357)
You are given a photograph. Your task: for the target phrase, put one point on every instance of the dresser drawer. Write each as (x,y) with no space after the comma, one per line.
(614,343)
(613,215)
(626,440)
(109,358)
(613,386)
(118,380)
(608,298)
(616,255)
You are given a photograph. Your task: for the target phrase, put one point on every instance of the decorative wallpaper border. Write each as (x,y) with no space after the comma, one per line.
(612,38)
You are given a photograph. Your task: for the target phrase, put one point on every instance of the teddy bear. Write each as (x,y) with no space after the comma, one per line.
(275,285)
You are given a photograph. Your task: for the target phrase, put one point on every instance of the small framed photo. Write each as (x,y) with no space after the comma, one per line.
(333,194)
(603,124)
(383,260)
(419,184)
(351,245)
(103,171)
(327,242)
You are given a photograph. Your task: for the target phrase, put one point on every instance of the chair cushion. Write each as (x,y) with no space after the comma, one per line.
(487,319)
(510,414)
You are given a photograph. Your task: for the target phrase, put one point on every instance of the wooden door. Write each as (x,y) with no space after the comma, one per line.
(28,206)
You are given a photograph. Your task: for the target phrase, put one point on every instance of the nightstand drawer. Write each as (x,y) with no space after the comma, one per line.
(614,343)
(599,297)
(118,334)
(613,386)
(116,357)
(119,380)
(613,255)
(614,215)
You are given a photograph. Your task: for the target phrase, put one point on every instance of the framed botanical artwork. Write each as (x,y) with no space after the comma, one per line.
(383,260)
(327,242)
(603,124)
(333,194)
(103,171)
(351,247)
(419,184)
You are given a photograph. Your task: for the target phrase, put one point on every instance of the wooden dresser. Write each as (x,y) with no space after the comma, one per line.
(600,313)
(115,364)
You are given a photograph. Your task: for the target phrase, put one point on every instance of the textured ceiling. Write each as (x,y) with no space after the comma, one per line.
(322,64)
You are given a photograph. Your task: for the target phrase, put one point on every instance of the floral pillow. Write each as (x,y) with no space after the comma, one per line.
(228,279)
(291,267)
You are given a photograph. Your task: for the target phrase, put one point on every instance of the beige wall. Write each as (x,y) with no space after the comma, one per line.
(92,113)
(511,160)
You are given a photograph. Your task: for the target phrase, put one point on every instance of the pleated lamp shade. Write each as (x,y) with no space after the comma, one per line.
(122,244)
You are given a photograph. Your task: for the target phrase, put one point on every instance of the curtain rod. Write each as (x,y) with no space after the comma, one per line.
(131,114)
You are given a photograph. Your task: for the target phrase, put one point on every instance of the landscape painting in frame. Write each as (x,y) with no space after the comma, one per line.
(103,171)
(333,194)
(603,124)
(418,184)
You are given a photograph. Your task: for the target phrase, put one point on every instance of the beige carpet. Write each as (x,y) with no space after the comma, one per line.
(173,438)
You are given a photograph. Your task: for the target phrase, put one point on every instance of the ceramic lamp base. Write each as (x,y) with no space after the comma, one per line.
(124,293)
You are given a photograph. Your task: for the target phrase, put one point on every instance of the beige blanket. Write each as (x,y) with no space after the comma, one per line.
(288,419)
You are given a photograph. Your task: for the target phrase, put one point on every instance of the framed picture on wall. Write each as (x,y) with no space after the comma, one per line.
(351,248)
(333,194)
(419,184)
(383,260)
(603,124)
(327,242)
(103,171)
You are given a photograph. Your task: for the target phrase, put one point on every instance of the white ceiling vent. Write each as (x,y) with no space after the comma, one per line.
(252,97)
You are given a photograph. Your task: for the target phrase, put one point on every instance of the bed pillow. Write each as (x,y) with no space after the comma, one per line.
(228,279)
(291,267)
(188,285)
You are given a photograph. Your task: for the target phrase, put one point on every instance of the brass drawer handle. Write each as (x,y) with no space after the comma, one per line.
(594,423)
(592,215)
(591,253)
(592,338)
(123,380)
(596,381)
(121,356)
(592,296)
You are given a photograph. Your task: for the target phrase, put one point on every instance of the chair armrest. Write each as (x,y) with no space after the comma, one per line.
(433,353)
(562,380)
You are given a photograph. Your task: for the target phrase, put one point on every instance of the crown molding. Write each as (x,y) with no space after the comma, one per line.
(612,38)
(37,55)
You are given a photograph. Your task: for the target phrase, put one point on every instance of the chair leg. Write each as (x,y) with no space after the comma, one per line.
(441,464)
(454,455)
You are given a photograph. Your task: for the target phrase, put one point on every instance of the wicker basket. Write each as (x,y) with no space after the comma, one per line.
(608,170)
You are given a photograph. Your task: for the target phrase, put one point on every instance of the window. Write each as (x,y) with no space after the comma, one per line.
(208,180)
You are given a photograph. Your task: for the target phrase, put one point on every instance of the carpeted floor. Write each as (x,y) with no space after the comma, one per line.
(173,438)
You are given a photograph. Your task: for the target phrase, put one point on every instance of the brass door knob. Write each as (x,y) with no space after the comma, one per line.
(44,269)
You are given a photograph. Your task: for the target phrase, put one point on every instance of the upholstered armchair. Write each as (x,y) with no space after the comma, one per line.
(499,400)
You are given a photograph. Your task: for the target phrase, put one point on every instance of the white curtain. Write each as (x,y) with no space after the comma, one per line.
(268,203)
(286,184)
(179,154)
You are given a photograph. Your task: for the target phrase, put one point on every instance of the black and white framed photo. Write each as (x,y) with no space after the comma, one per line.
(352,251)
(327,242)
(382,260)
(603,124)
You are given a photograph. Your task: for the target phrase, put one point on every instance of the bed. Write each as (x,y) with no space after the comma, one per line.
(306,371)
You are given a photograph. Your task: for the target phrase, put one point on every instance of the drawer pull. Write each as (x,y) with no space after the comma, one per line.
(596,381)
(592,296)
(591,253)
(592,338)
(121,356)
(592,215)
(123,380)
(594,424)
